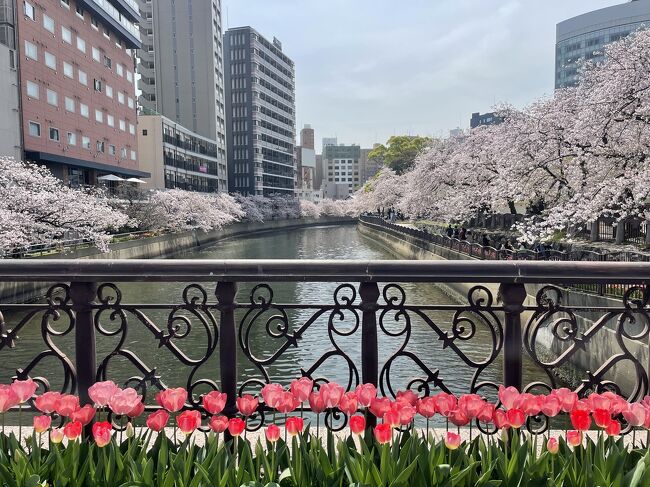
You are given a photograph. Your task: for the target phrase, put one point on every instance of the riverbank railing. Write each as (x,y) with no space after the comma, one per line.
(482,252)
(226,328)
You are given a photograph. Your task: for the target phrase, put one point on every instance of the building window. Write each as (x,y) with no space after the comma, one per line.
(32,89)
(54,134)
(98,85)
(107,33)
(111,150)
(134,156)
(85,142)
(66,35)
(109,91)
(80,11)
(110,120)
(48,23)
(123,125)
(144,132)
(83,78)
(83,110)
(69,104)
(123,153)
(108,62)
(96,55)
(94,23)
(100,146)
(132,129)
(81,44)
(120,70)
(29,10)
(129,76)
(99,116)
(31,50)
(131,102)
(65,3)
(72,138)
(52,98)
(120,97)
(34,129)
(68,70)
(50,60)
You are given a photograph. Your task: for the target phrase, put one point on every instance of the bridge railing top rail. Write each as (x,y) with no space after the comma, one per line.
(181,270)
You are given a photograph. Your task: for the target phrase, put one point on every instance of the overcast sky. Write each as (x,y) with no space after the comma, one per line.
(368,69)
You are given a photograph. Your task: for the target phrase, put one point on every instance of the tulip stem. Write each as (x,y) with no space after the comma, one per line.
(318,426)
(20,423)
(427,429)
(285,428)
(633,437)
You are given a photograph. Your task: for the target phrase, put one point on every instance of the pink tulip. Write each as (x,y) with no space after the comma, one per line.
(124,401)
(287,403)
(635,414)
(236,426)
(218,424)
(553,446)
(24,389)
(57,435)
(392,418)
(247,404)
(380,406)
(516,418)
(500,419)
(158,420)
(8,398)
(613,428)
(471,404)
(452,440)
(602,418)
(357,424)
(486,413)
(531,405)
(272,433)
(102,392)
(67,405)
(214,402)
(271,394)
(580,419)
(408,395)
(316,402)
(331,393)
(574,438)
(172,400)
(301,388)
(42,423)
(84,415)
(72,430)
(459,417)
(295,425)
(551,406)
(348,403)
(188,421)
(383,433)
(568,398)
(509,397)
(426,407)
(48,402)
(365,394)
(102,433)
(406,413)
(137,411)
(446,403)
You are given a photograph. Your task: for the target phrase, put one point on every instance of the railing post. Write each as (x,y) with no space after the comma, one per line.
(369,292)
(83,296)
(512,296)
(225,293)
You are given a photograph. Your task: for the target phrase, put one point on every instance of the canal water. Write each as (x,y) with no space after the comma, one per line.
(328,333)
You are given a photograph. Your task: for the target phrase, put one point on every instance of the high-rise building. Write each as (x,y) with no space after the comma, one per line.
(342,170)
(584,36)
(181,79)
(479,119)
(10,121)
(260,114)
(306,166)
(77,83)
(307,137)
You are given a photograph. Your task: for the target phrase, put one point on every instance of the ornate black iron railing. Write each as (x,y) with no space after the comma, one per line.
(370,323)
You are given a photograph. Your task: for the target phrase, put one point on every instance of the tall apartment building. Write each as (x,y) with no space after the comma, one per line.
(260,114)
(76,68)
(479,119)
(181,78)
(585,36)
(10,125)
(342,170)
(306,166)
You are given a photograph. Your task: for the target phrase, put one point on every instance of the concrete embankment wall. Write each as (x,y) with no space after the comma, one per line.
(601,347)
(160,247)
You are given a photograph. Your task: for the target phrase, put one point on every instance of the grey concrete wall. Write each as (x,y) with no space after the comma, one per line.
(601,347)
(160,247)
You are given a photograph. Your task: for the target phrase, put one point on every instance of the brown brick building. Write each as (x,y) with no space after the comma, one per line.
(77,83)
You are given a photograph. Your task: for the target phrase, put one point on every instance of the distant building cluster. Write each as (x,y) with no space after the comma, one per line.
(154,92)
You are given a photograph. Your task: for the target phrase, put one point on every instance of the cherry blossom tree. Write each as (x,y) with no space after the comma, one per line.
(309,209)
(37,208)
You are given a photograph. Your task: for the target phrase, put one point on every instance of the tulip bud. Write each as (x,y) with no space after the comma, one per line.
(553,446)
(130,430)
(452,440)
(56,435)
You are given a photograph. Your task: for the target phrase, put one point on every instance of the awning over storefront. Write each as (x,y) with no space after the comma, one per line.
(71,161)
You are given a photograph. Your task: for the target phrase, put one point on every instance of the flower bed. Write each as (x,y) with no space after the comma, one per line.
(393,452)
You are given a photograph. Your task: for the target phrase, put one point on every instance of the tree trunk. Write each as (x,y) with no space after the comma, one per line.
(511,206)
